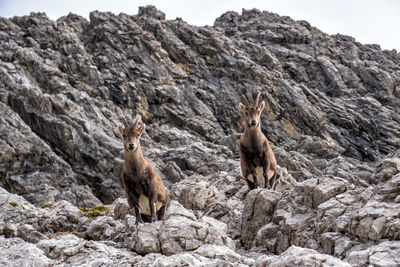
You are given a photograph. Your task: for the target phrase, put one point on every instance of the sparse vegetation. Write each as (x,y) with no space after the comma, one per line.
(15,204)
(47,205)
(80,235)
(96,211)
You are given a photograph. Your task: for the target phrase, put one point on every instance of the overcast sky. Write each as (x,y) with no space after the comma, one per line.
(369,21)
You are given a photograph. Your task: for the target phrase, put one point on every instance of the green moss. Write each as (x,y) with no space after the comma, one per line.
(96,211)
(101,209)
(15,204)
(47,205)
(78,234)
(83,209)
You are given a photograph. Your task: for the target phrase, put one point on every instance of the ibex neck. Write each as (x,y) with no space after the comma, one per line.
(253,135)
(252,131)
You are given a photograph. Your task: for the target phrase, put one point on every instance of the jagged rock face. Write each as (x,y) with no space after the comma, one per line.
(331,115)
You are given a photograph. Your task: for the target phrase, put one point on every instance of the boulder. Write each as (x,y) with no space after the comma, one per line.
(14,251)
(258,210)
(297,256)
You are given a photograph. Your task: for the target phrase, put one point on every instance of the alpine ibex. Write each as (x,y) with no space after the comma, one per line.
(256,157)
(144,188)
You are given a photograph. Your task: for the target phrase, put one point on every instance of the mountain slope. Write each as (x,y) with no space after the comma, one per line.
(331,114)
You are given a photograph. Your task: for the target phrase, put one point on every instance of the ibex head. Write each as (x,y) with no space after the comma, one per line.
(131,134)
(252,110)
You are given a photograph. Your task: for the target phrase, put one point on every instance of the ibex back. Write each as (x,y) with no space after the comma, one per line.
(256,157)
(144,188)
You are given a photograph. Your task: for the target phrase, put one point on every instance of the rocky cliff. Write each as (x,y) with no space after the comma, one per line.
(332,116)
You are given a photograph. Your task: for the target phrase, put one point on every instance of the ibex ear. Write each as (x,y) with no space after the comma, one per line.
(261,106)
(142,128)
(242,107)
(121,129)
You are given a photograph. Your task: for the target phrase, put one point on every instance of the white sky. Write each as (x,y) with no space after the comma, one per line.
(369,21)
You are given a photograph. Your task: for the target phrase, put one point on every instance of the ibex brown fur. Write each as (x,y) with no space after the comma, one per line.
(144,188)
(256,157)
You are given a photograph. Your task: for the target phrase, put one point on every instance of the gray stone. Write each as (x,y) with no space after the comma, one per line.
(121,208)
(258,209)
(29,234)
(376,220)
(16,252)
(386,253)
(194,193)
(105,228)
(388,168)
(146,238)
(9,229)
(173,172)
(180,232)
(218,252)
(328,188)
(331,117)
(297,256)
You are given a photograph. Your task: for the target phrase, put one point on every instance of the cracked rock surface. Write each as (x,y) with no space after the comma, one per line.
(331,117)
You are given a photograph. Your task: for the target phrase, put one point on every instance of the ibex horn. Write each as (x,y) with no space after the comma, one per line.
(136,123)
(258,98)
(125,122)
(249,96)
(245,101)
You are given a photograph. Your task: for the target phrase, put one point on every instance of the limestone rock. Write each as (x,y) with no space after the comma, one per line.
(195,193)
(384,254)
(29,234)
(121,208)
(297,256)
(377,220)
(218,252)
(14,251)
(331,117)
(105,228)
(258,209)
(180,232)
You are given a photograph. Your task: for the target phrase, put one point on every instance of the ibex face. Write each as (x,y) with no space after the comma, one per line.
(252,110)
(131,135)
